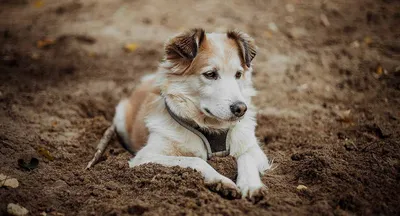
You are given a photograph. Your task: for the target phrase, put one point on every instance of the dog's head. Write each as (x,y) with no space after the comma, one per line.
(208,76)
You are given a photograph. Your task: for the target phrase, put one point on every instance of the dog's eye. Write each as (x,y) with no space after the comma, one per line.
(211,75)
(238,74)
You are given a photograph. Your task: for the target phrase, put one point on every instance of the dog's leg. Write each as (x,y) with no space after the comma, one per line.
(251,164)
(212,178)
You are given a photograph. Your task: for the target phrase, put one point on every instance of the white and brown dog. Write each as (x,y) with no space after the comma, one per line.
(198,105)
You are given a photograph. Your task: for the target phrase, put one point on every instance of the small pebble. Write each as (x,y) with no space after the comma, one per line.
(7,181)
(35,56)
(17,210)
(355,44)
(324,20)
(397,69)
(273,27)
(290,8)
(301,187)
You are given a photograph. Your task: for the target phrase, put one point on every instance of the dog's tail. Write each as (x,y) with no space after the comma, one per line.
(120,126)
(102,145)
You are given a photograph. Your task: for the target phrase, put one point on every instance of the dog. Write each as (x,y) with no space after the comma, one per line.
(197,106)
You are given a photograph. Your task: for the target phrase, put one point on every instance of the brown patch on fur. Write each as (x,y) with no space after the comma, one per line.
(189,51)
(208,51)
(245,44)
(185,46)
(199,62)
(138,107)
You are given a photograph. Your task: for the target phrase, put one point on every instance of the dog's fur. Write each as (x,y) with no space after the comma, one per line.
(146,127)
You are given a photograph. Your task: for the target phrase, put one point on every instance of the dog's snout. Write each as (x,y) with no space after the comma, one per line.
(238,109)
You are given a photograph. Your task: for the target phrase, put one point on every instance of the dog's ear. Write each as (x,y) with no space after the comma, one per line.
(247,47)
(185,46)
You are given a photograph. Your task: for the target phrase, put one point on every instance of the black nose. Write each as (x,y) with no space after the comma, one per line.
(238,109)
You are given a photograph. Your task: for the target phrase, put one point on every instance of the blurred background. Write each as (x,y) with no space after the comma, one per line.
(327,72)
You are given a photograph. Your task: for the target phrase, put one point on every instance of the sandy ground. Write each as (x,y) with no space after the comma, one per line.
(329,105)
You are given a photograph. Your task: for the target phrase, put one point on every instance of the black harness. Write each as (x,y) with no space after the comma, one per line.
(215,143)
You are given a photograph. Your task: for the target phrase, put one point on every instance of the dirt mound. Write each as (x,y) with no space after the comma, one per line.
(329,86)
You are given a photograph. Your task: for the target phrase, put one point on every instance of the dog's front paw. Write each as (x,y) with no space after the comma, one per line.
(253,193)
(225,187)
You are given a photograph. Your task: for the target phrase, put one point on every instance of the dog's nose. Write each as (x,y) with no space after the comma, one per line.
(238,109)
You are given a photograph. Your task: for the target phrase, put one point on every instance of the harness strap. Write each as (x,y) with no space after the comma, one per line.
(202,135)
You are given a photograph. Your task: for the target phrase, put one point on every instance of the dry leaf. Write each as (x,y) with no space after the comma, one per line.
(45,43)
(7,181)
(38,3)
(301,187)
(92,54)
(45,153)
(368,40)
(131,47)
(379,70)
(345,116)
(267,34)
(17,210)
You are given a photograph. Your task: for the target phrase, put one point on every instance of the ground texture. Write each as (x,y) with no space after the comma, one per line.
(329,105)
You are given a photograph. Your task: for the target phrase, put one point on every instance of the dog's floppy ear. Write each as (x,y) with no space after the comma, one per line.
(185,46)
(247,47)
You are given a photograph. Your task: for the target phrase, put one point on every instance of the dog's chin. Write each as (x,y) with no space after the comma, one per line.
(214,121)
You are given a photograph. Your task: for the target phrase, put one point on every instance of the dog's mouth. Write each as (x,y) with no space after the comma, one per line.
(209,114)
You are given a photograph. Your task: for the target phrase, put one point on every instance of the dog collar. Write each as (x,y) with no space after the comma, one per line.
(215,143)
